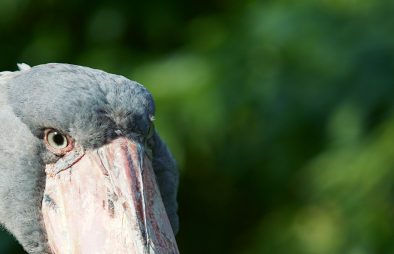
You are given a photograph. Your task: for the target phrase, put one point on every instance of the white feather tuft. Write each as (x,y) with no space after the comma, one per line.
(6,75)
(23,66)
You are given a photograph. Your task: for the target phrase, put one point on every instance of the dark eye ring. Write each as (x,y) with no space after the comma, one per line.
(57,142)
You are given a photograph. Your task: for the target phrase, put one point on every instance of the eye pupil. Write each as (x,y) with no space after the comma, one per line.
(58,139)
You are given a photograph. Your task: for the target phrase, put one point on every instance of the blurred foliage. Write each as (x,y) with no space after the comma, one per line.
(280,113)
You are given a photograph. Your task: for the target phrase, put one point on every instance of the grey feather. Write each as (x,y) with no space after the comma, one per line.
(90,105)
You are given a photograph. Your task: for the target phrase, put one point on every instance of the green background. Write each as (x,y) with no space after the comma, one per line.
(280,113)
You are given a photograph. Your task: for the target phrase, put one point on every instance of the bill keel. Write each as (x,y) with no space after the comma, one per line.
(105,201)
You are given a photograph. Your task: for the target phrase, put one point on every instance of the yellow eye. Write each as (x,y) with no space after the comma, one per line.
(57,142)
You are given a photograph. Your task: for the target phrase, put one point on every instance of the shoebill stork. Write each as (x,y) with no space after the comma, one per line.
(82,169)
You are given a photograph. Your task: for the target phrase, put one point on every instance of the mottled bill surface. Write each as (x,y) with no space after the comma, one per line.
(106,201)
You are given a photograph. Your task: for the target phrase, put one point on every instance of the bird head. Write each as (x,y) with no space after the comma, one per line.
(83,170)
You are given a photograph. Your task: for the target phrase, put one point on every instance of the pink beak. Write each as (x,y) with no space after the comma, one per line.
(106,201)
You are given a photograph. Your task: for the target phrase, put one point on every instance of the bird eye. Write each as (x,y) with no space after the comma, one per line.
(57,142)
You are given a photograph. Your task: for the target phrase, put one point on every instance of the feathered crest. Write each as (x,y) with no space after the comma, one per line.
(6,75)
(23,66)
